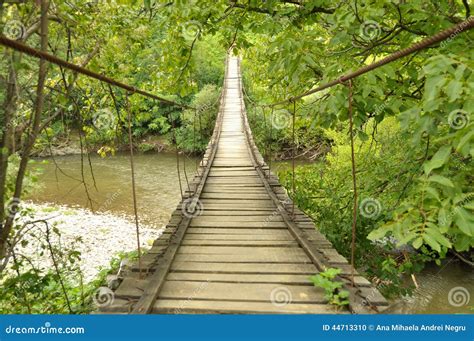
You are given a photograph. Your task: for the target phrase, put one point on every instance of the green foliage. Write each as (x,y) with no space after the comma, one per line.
(145,147)
(413,118)
(413,122)
(28,289)
(197,125)
(332,289)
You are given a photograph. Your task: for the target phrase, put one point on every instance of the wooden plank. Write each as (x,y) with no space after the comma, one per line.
(295,279)
(238,224)
(239,258)
(217,173)
(242,250)
(251,218)
(229,195)
(230,307)
(238,207)
(225,242)
(240,237)
(241,202)
(241,213)
(230,181)
(234,189)
(239,291)
(239,231)
(239,267)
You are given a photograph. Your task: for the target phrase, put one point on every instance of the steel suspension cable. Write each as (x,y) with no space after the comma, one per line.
(293,153)
(354,182)
(271,142)
(449,33)
(265,134)
(134,192)
(194,139)
(13,44)
(177,158)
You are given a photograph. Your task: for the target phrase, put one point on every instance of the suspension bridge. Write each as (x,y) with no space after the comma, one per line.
(236,243)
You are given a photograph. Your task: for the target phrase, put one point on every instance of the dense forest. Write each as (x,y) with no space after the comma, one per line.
(412,129)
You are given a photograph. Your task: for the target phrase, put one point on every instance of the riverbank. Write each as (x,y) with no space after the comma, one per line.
(98,237)
(72,146)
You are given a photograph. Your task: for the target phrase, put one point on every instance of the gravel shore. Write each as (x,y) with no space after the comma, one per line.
(103,235)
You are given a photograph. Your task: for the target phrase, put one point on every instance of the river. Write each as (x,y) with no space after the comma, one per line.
(158,193)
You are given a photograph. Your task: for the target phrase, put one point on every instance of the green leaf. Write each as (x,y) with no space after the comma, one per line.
(433,192)
(417,243)
(432,242)
(441,180)
(454,90)
(434,232)
(465,221)
(377,234)
(464,140)
(444,219)
(438,159)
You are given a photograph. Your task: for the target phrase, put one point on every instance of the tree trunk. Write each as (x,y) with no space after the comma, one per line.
(33,133)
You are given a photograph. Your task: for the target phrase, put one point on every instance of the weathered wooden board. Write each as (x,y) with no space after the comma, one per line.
(239,291)
(240,267)
(245,258)
(166,306)
(295,279)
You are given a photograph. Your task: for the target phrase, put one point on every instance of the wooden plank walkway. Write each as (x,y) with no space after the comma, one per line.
(233,245)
